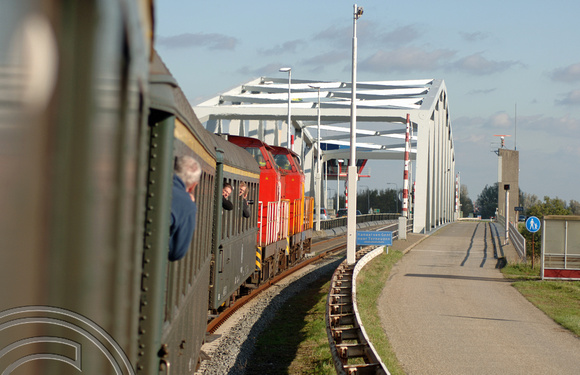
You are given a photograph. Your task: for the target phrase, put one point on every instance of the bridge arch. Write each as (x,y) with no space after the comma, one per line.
(259,108)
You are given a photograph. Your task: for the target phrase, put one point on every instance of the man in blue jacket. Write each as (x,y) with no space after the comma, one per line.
(187,172)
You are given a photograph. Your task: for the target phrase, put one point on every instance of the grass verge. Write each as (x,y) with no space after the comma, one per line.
(296,341)
(370,283)
(560,300)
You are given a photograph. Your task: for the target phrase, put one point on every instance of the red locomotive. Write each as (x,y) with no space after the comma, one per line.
(293,180)
(285,214)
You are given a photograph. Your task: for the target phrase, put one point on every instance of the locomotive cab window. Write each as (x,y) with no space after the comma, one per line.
(257,154)
(282,162)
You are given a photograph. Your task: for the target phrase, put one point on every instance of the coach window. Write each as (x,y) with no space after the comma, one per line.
(227,216)
(237,207)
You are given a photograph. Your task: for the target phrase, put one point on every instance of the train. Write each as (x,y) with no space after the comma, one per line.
(91,122)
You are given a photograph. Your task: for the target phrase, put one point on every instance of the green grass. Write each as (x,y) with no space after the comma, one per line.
(560,300)
(370,283)
(521,271)
(296,341)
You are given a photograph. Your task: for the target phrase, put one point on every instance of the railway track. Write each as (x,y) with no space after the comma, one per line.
(227,340)
(321,249)
(331,246)
(351,349)
(230,348)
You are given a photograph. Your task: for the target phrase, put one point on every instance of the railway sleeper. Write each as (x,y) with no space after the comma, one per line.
(363,369)
(342,320)
(340,298)
(347,351)
(345,336)
(341,308)
(341,334)
(343,283)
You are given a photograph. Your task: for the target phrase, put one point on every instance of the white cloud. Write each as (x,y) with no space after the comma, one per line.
(212,41)
(328,58)
(267,69)
(400,36)
(407,59)
(287,47)
(501,120)
(571,98)
(474,37)
(481,91)
(570,73)
(476,64)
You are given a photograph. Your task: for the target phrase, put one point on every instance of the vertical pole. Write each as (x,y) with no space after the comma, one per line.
(457,196)
(352,172)
(533,248)
(318,172)
(289,135)
(289,109)
(325,184)
(406,168)
(337,186)
(507,217)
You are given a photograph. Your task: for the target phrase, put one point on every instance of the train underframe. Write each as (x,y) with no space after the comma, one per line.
(276,258)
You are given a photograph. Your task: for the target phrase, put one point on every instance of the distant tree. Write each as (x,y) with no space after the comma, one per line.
(574,207)
(550,206)
(465,201)
(385,200)
(487,201)
(529,200)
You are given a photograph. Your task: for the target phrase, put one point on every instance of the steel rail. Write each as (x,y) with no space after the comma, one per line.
(215,323)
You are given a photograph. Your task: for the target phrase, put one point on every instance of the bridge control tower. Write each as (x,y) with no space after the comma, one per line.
(508,171)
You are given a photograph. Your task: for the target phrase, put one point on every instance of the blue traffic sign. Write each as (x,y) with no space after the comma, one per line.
(378,238)
(533,224)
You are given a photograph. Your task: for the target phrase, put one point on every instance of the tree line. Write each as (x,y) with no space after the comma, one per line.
(385,200)
(486,205)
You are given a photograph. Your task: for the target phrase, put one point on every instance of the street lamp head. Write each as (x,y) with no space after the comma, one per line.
(285,69)
(315,87)
(358,13)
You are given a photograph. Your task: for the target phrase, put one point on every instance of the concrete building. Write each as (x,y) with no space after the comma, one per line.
(508,168)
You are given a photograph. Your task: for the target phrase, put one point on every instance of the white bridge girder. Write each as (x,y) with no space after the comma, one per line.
(259,109)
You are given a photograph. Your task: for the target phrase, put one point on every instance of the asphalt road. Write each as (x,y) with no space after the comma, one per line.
(447,310)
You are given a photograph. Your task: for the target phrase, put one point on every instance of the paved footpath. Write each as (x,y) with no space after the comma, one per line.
(448,310)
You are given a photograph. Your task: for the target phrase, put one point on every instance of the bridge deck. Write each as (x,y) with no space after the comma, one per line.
(448,310)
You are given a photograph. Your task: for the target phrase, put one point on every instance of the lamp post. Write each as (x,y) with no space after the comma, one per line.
(352,173)
(318,185)
(289,70)
(338,162)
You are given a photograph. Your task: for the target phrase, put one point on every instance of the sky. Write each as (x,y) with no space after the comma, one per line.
(510,67)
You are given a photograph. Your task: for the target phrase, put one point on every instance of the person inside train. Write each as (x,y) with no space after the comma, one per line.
(187,172)
(226,191)
(244,196)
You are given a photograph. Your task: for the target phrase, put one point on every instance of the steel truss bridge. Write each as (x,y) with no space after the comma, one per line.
(259,109)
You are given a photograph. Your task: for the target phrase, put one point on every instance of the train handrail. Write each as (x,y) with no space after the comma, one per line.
(260,231)
(283,218)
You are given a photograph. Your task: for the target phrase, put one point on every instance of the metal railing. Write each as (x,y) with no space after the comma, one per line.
(516,237)
(342,221)
(518,240)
